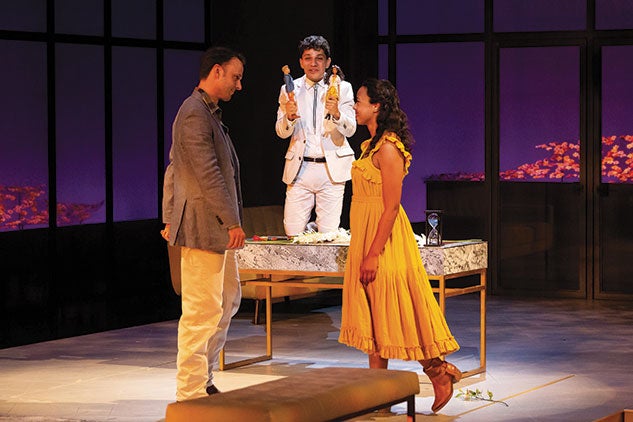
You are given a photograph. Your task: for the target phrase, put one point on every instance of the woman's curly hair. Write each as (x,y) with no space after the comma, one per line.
(390,117)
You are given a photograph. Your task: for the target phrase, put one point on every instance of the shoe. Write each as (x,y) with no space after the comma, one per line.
(212,389)
(384,412)
(443,376)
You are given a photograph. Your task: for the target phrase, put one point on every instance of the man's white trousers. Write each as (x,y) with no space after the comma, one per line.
(210,296)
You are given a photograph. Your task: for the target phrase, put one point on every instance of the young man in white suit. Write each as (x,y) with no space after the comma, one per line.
(319,158)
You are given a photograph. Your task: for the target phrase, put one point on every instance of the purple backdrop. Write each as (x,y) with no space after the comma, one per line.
(181,77)
(134,151)
(80,128)
(441,87)
(439,17)
(539,15)
(539,102)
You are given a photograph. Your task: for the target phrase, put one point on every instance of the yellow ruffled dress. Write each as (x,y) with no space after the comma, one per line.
(397,314)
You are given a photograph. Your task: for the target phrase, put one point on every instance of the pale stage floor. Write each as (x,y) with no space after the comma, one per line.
(548,360)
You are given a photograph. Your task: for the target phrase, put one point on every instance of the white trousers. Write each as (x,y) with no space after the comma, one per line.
(313,186)
(210,296)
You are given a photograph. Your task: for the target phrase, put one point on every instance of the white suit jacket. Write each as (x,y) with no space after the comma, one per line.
(335,147)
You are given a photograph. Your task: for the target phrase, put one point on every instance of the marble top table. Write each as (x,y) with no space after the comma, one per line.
(327,259)
(453,259)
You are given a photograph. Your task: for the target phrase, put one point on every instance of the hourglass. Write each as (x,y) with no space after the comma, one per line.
(433,227)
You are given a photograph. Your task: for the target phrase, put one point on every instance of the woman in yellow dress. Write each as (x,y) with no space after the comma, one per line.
(389,311)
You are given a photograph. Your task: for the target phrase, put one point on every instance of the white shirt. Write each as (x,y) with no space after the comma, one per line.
(314,131)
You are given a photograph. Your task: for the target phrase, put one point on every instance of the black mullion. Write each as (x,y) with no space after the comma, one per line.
(208,30)
(588,153)
(24,35)
(160,103)
(491,138)
(391,46)
(593,154)
(114,283)
(53,287)
(594,165)
(52,123)
(107,87)
(436,38)
(585,169)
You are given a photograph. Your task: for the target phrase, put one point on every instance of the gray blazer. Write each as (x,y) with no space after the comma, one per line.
(202,194)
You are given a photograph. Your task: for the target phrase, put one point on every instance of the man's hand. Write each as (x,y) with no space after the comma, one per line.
(291,110)
(165,232)
(236,238)
(331,105)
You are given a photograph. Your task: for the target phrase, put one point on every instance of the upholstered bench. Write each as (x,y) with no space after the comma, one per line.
(324,394)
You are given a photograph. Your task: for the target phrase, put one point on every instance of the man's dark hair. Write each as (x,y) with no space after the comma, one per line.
(314,42)
(217,55)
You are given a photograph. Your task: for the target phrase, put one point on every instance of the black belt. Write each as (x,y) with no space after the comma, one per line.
(314,160)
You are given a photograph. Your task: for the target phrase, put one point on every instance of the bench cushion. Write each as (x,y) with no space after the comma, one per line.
(314,395)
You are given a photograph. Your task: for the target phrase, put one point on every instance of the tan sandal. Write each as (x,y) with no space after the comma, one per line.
(443,376)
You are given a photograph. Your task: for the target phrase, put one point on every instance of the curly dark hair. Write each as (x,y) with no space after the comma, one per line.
(314,42)
(390,117)
(328,73)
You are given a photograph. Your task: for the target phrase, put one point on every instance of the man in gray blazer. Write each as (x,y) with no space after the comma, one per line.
(319,158)
(202,212)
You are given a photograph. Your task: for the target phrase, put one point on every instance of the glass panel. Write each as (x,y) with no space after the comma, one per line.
(134,134)
(80,134)
(616,240)
(540,237)
(79,17)
(441,87)
(439,17)
(614,14)
(134,19)
(616,207)
(181,77)
(23,15)
(617,127)
(539,114)
(24,135)
(184,20)
(541,227)
(539,15)
(383,17)
(383,61)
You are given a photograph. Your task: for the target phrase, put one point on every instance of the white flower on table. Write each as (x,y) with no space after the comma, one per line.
(339,236)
